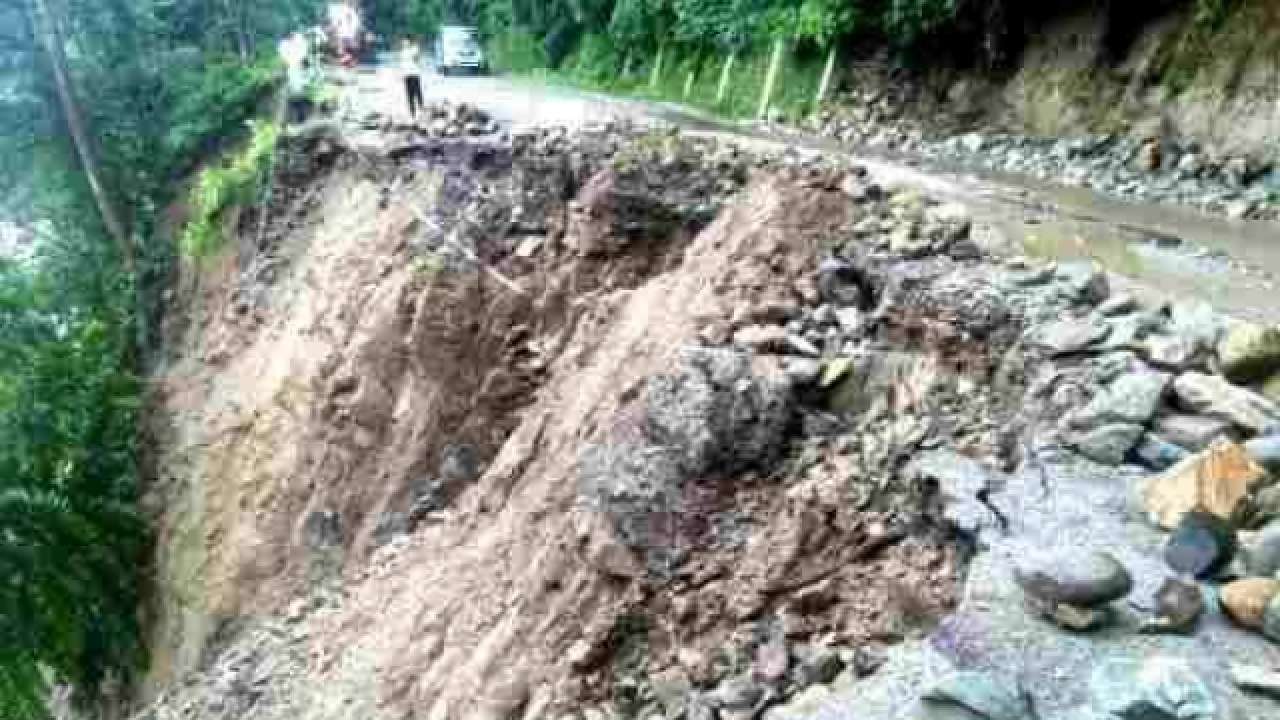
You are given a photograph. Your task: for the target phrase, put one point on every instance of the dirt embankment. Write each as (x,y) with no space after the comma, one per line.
(629,425)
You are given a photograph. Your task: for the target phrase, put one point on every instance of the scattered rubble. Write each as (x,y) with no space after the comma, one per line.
(741,437)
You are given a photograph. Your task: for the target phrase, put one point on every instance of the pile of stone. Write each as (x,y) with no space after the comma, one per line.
(1151,169)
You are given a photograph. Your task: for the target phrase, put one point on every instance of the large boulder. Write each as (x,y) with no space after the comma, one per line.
(1215,481)
(1250,353)
(713,414)
(1213,396)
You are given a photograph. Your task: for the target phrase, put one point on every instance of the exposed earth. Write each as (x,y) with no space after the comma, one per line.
(549,405)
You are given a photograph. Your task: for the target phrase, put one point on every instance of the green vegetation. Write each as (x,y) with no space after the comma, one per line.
(236,181)
(105,108)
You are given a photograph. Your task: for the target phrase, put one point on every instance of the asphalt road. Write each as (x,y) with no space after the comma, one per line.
(1166,252)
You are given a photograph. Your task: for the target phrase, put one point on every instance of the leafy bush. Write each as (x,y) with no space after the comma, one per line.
(73,542)
(517,51)
(222,186)
(215,102)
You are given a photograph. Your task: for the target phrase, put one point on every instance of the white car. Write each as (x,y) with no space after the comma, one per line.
(457,49)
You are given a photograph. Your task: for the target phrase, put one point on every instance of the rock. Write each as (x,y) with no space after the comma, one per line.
(772,660)
(802,706)
(1256,679)
(1215,481)
(1250,353)
(1149,157)
(1131,399)
(1067,337)
(1084,282)
(1246,601)
(1172,352)
(867,659)
(1214,396)
(802,371)
(1271,619)
(1178,607)
(908,241)
(961,483)
(1074,577)
(1262,552)
(671,689)
(1121,304)
(987,695)
(1157,454)
(816,665)
(1193,432)
(1201,545)
(1152,688)
(1197,321)
(1109,444)
(1236,171)
(1190,164)
(738,693)
(1265,451)
(761,338)
(803,346)
(838,283)
(1266,504)
(849,319)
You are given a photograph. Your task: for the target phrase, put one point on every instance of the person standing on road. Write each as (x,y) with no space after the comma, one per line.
(411,65)
(293,53)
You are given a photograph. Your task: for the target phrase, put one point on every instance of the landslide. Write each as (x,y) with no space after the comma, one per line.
(470,402)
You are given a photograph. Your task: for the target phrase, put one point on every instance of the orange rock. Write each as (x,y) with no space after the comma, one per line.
(1246,600)
(1215,481)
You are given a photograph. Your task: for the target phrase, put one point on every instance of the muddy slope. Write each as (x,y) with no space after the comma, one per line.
(620,425)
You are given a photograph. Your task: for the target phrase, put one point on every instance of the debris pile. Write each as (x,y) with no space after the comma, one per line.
(752,437)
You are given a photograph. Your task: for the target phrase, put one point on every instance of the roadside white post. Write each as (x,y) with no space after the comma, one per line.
(825,85)
(657,67)
(723,88)
(771,78)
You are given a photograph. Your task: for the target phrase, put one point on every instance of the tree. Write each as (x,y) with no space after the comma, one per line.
(46,27)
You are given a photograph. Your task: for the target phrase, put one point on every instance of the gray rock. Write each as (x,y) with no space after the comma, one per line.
(961,482)
(1121,304)
(1265,451)
(1197,321)
(1256,679)
(803,346)
(1156,688)
(1214,396)
(1201,545)
(815,665)
(1128,332)
(802,372)
(1262,554)
(1271,619)
(988,695)
(1158,454)
(1131,399)
(1067,337)
(849,319)
(1193,432)
(804,705)
(738,693)
(1108,444)
(837,283)
(1172,352)
(1178,607)
(710,412)
(1075,577)
(1084,282)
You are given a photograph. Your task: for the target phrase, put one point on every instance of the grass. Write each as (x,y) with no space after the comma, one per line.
(597,65)
(234,181)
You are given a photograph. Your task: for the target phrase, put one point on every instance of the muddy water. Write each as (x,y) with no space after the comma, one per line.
(1160,252)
